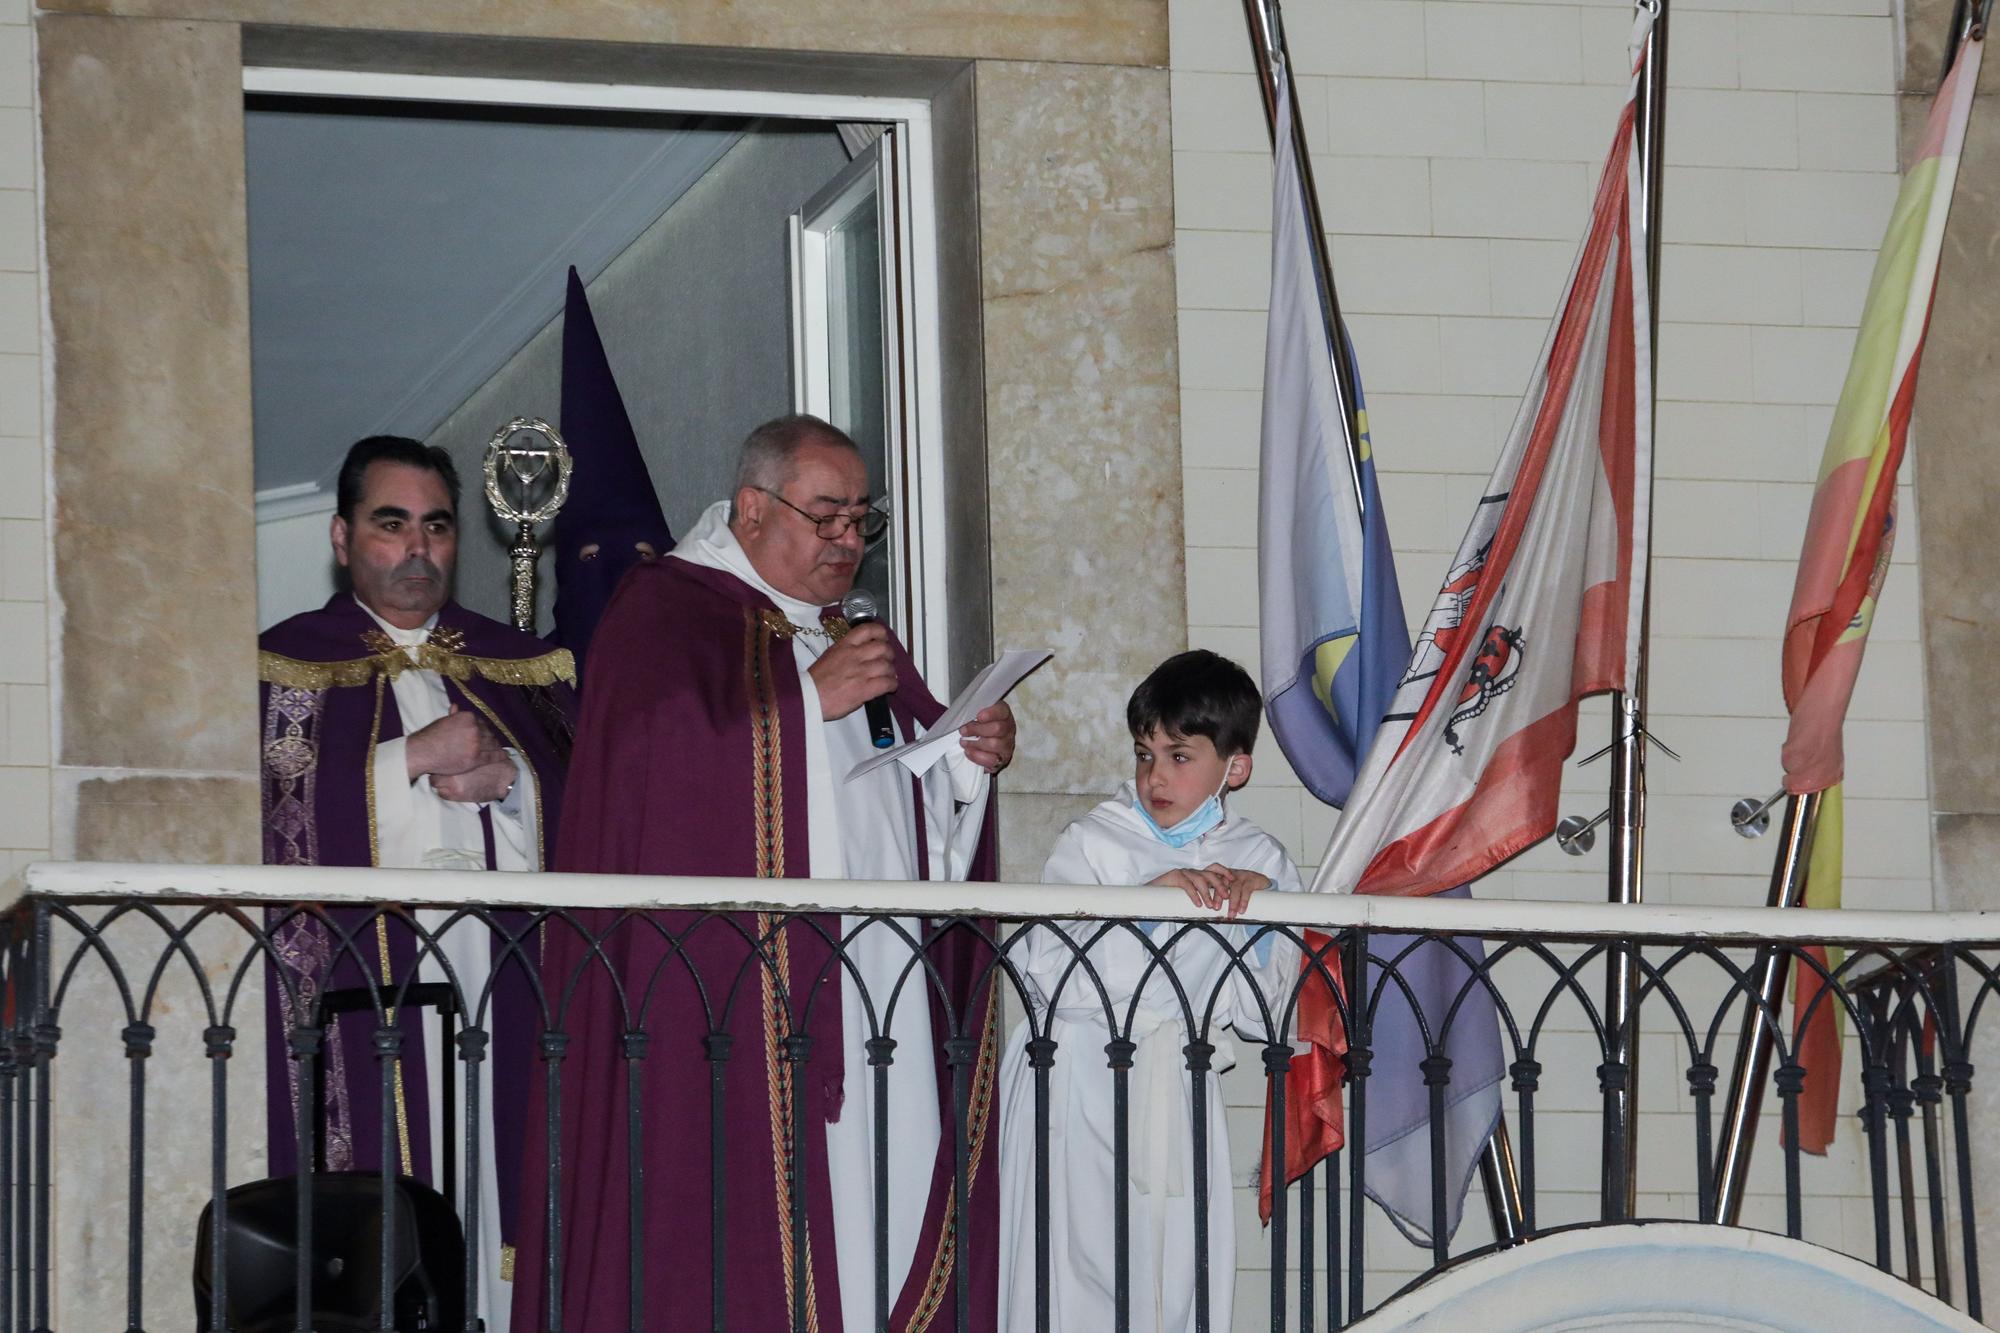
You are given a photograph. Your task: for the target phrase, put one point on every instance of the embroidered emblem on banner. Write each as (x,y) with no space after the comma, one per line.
(1494,672)
(1447,619)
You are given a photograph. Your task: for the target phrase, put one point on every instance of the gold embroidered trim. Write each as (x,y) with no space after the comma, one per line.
(381,923)
(767,791)
(985,1075)
(507,1259)
(290,672)
(368,772)
(777,980)
(514,742)
(979,1108)
(389,1017)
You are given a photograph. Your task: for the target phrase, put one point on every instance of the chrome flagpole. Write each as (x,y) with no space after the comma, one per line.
(1498,1174)
(1967,17)
(1267,44)
(1790,872)
(1620,1081)
(1760,1013)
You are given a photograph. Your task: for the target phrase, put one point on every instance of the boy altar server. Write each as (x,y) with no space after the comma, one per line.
(1193,723)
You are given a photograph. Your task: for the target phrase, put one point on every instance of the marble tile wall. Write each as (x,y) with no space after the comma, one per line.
(1455,144)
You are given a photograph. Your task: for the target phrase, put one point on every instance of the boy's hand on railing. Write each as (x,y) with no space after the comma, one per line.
(1243,883)
(1217,887)
(1204,888)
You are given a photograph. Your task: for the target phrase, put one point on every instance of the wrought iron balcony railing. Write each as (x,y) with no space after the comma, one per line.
(179,1040)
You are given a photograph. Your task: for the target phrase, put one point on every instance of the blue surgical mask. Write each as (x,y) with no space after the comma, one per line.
(1204,820)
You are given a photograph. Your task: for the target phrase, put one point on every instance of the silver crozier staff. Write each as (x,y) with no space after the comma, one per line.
(528,463)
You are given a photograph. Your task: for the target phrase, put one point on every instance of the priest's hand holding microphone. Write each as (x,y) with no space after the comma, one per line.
(860,671)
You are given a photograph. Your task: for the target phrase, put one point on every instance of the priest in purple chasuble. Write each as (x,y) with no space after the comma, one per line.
(401,730)
(723,709)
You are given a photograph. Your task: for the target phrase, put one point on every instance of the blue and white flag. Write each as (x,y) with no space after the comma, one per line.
(1334,640)
(1335,648)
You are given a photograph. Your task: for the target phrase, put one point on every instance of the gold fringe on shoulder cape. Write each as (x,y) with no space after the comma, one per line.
(390,660)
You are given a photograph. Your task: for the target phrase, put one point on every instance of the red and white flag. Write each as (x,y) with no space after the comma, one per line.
(1544,601)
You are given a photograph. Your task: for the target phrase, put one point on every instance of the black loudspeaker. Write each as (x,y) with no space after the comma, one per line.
(260,1255)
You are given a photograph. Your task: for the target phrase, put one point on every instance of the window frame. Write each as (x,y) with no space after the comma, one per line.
(916,466)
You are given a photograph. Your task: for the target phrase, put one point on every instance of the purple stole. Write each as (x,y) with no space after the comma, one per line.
(726,1027)
(324,703)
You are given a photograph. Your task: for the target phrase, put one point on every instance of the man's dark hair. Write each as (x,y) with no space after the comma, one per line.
(1198,693)
(390,449)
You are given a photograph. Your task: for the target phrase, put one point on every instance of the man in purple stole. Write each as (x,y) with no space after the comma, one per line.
(399,729)
(736,1051)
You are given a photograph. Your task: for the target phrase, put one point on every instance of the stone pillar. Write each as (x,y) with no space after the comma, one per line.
(156,734)
(154,559)
(1957,477)
(1082,418)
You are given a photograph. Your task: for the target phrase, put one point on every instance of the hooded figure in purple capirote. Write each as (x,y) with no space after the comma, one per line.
(399,730)
(612,520)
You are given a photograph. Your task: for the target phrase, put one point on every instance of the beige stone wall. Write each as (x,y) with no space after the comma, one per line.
(153,548)
(1124,32)
(1082,418)
(1080,377)
(153,538)
(1454,225)
(24,665)
(1958,476)
(149,445)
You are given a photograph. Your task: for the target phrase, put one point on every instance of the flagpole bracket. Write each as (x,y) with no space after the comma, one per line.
(1577,835)
(1751,818)
(1658,744)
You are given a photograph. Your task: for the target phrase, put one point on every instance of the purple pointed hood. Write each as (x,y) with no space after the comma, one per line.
(611,498)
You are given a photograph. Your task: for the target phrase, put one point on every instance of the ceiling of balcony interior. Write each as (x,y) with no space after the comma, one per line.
(400,253)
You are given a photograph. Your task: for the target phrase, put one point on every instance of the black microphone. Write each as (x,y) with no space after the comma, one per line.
(859,609)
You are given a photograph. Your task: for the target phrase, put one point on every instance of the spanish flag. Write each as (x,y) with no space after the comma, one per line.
(1849,534)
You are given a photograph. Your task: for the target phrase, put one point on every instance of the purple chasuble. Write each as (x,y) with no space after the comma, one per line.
(324,703)
(722,1030)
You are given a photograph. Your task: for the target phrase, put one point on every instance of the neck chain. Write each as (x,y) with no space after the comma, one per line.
(778,623)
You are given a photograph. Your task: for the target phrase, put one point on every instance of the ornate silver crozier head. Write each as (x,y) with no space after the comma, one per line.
(527,457)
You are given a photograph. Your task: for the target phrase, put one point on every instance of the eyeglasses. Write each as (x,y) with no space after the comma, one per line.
(832,527)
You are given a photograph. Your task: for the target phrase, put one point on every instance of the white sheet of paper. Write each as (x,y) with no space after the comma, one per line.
(987,688)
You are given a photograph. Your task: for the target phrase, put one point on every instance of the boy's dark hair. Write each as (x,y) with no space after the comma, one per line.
(390,449)
(1198,693)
